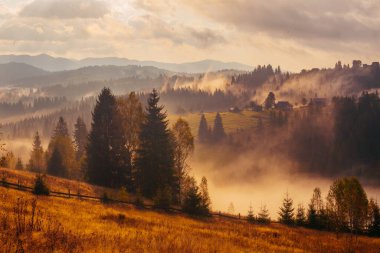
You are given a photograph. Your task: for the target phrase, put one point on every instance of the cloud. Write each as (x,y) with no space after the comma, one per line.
(152,27)
(65,9)
(305,21)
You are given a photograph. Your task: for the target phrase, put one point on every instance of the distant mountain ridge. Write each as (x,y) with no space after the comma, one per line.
(49,63)
(21,74)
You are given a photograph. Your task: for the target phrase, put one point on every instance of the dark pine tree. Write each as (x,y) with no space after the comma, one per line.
(155,157)
(270,101)
(80,138)
(61,128)
(300,216)
(56,167)
(106,151)
(287,211)
(203,132)
(218,131)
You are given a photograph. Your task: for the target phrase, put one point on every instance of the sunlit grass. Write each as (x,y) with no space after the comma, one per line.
(72,225)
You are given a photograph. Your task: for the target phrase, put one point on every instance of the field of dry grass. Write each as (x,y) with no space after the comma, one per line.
(48,224)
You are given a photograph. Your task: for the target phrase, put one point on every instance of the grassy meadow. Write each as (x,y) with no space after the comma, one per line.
(49,224)
(231,121)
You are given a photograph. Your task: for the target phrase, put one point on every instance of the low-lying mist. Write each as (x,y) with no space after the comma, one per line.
(254,178)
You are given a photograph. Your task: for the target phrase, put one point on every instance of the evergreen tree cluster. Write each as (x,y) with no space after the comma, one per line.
(24,106)
(350,145)
(136,150)
(259,76)
(211,135)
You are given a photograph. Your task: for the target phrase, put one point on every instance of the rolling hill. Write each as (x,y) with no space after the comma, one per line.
(59,224)
(13,72)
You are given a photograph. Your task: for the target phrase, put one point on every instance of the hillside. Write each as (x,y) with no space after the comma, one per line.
(71,225)
(231,121)
(12,72)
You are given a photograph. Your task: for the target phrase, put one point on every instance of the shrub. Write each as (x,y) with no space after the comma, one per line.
(139,201)
(193,202)
(105,199)
(40,187)
(163,198)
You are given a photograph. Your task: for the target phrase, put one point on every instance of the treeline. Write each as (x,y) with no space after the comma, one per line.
(344,140)
(259,76)
(210,135)
(11,109)
(26,128)
(128,148)
(345,209)
(178,101)
(187,100)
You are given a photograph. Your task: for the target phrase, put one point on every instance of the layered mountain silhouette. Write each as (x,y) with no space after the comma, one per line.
(49,63)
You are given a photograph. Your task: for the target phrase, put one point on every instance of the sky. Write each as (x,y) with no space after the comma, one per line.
(294,34)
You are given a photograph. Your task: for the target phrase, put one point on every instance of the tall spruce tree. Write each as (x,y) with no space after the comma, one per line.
(61,142)
(80,138)
(55,166)
(203,131)
(155,157)
(37,159)
(218,131)
(287,211)
(107,154)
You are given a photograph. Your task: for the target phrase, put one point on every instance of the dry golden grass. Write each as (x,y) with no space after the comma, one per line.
(71,225)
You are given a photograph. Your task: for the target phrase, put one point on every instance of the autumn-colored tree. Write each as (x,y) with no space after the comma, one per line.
(205,197)
(183,147)
(347,205)
(374,218)
(132,117)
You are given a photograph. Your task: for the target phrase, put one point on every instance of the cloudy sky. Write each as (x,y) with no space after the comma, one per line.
(295,34)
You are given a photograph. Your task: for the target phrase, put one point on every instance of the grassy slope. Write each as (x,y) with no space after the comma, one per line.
(231,121)
(71,225)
